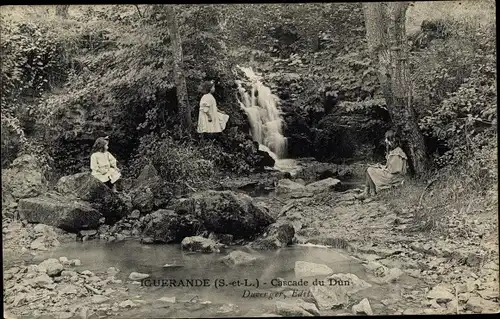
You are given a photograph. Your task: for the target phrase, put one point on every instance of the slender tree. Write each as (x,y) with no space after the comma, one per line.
(179,76)
(387,42)
(62,10)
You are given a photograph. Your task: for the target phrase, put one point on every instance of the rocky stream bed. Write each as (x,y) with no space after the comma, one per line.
(96,272)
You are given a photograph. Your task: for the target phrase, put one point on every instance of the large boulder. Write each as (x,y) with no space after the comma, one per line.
(86,187)
(277,235)
(23,179)
(226,212)
(166,226)
(146,193)
(69,214)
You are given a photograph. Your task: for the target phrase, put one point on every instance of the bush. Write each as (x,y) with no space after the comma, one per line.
(458,77)
(179,164)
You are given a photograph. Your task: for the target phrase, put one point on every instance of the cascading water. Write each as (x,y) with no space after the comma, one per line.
(264,115)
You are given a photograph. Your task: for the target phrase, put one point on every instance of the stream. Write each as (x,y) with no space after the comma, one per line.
(131,256)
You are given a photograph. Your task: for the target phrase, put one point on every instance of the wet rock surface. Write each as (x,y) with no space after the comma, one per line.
(199,244)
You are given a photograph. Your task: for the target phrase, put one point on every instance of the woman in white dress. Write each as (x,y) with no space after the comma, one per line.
(103,164)
(210,120)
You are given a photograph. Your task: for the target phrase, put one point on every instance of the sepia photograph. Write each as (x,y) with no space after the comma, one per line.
(249,159)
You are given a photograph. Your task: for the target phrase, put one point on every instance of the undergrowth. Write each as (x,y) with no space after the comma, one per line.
(447,200)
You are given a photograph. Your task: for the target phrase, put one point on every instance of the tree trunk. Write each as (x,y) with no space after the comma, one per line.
(179,77)
(62,11)
(386,37)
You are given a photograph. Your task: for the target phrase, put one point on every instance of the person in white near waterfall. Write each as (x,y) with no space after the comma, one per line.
(392,174)
(210,120)
(103,164)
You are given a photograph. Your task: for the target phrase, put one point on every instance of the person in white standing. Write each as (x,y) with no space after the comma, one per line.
(210,120)
(103,164)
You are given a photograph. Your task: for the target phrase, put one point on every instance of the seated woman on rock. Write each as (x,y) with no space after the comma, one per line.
(210,120)
(380,177)
(103,164)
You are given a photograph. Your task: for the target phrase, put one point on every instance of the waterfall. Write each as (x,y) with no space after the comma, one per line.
(261,107)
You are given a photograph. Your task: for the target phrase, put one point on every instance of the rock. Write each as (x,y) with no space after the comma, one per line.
(391,275)
(143,198)
(463,297)
(76,262)
(137,276)
(238,258)
(412,311)
(23,179)
(127,304)
(83,313)
(452,306)
(135,214)
(491,265)
(226,212)
(376,268)
(489,294)
(98,299)
(225,239)
(441,294)
(167,299)
(479,305)
(68,273)
(227,308)
(42,281)
(67,289)
(166,226)
(144,193)
(51,266)
(120,237)
(324,185)
(337,290)
(45,242)
(64,260)
(309,307)
(291,310)
(147,240)
(55,210)
(199,244)
(277,235)
(88,234)
(305,269)
(265,159)
(87,273)
(363,308)
(88,188)
(112,271)
(41,229)
(286,186)
(148,173)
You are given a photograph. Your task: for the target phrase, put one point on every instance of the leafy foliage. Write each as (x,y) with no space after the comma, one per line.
(456,88)
(179,164)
